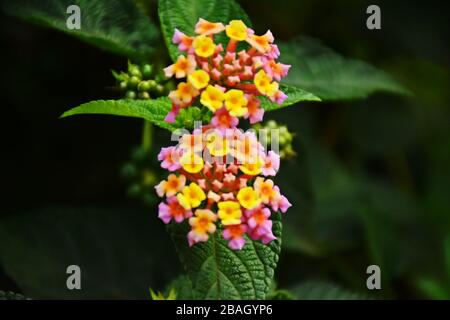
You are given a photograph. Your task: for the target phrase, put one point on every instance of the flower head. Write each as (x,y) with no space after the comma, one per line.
(241,77)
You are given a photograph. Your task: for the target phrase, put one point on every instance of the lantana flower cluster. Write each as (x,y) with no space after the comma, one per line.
(221,179)
(227,81)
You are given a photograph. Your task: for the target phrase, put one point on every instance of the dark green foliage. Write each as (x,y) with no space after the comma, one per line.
(114,25)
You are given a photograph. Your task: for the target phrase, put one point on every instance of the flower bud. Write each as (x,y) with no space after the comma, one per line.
(146,70)
(130,94)
(144,86)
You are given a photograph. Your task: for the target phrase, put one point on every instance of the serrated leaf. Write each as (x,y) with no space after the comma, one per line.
(330,76)
(153,110)
(184,14)
(218,272)
(294,95)
(117,26)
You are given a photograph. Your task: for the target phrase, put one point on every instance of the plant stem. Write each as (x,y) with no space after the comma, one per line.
(147,136)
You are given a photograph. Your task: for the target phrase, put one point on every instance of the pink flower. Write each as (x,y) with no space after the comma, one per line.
(172,115)
(235,235)
(255,113)
(173,210)
(279,97)
(184,42)
(222,120)
(169,158)
(260,226)
(271,164)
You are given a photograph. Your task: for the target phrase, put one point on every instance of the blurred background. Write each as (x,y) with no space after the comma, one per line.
(369,184)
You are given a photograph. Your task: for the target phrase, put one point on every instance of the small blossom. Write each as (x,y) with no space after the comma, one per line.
(223,120)
(248,198)
(206,28)
(261,43)
(236,103)
(184,94)
(236,30)
(235,235)
(191,196)
(266,191)
(201,225)
(182,67)
(184,42)
(199,79)
(172,186)
(271,164)
(229,212)
(204,47)
(173,210)
(265,85)
(212,98)
(191,162)
(169,158)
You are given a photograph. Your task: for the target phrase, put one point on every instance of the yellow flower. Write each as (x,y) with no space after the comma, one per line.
(203,222)
(191,162)
(237,30)
(184,94)
(229,212)
(236,103)
(206,28)
(199,79)
(170,187)
(212,98)
(204,46)
(261,43)
(191,196)
(253,168)
(217,145)
(265,190)
(265,85)
(248,198)
(182,67)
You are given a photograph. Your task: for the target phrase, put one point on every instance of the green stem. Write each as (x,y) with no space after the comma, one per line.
(147,136)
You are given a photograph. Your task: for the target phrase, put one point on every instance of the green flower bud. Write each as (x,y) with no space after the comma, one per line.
(159,89)
(144,95)
(144,86)
(130,94)
(133,70)
(146,70)
(123,85)
(152,83)
(134,81)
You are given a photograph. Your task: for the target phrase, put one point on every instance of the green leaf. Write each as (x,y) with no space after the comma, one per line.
(330,76)
(154,110)
(218,272)
(184,14)
(117,26)
(294,94)
(321,290)
(119,249)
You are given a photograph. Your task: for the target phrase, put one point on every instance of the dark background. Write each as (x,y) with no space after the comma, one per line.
(56,173)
